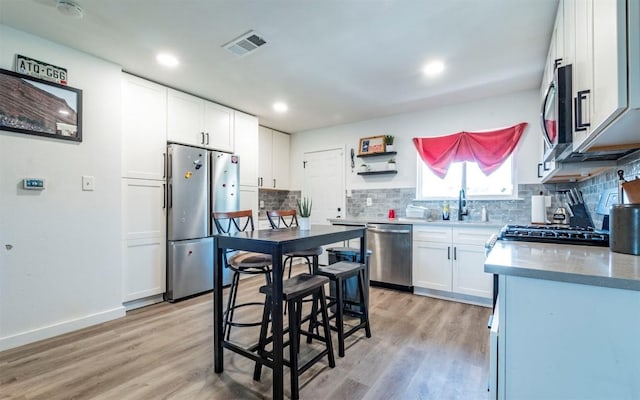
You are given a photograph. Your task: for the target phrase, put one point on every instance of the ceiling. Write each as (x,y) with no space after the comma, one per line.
(332,61)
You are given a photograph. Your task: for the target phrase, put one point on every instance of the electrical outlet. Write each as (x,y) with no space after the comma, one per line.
(369,201)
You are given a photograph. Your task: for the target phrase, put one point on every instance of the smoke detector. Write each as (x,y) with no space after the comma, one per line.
(69,8)
(245,44)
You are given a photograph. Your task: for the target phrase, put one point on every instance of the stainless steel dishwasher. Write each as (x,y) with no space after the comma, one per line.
(391,257)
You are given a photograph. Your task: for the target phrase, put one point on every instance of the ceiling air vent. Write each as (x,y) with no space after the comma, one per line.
(245,44)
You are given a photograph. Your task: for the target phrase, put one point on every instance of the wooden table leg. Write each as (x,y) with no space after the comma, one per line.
(276,318)
(218,361)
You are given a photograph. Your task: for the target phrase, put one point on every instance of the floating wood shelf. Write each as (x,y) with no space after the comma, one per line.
(386,153)
(384,172)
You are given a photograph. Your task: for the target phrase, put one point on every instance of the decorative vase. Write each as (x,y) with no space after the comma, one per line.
(304,224)
(391,166)
(364,168)
(388,147)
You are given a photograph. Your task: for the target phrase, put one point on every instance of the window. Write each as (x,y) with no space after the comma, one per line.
(466,174)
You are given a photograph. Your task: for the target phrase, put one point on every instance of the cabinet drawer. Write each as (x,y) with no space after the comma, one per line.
(476,236)
(440,234)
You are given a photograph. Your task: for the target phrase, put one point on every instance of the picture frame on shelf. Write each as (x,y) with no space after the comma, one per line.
(371,145)
(38,107)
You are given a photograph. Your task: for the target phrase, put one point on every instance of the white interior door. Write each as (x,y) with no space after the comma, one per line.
(324,183)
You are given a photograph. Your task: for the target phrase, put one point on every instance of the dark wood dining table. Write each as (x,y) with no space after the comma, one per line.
(275,242)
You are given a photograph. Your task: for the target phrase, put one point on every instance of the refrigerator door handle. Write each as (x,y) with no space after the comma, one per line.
(169,166)
(164,165)
(164,196)
(170,196)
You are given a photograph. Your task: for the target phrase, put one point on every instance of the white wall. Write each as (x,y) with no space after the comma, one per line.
(63,271)
(485,114)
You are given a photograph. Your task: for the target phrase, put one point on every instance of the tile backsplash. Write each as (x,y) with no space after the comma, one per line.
(277,200)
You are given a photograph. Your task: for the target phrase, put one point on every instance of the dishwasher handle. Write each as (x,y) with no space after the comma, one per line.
(388,230)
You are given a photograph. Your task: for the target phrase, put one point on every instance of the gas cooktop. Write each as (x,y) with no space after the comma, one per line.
(555,234)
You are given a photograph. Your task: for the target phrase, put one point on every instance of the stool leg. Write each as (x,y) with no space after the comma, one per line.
(257,370)
(290,259)
(340,316)
(293,345)
(325,325)
(364,307)
(231,302)
(313,323)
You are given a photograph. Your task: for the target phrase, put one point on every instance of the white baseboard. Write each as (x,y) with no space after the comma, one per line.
(9,342)
(461,298)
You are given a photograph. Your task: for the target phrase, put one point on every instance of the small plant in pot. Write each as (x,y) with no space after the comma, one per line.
(391,164)
(364,168)
(388,143)
(304,209)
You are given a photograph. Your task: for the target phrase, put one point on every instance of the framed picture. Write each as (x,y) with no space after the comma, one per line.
(38,107)
(371,145)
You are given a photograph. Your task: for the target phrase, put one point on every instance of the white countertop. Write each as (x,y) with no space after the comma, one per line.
(589,265)
(414,221)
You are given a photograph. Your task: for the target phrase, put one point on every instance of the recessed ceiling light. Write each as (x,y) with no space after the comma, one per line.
(280,106)
(433,68)
(167,60)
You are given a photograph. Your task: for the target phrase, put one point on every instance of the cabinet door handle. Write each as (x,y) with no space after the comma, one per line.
(448,252)
(207,138)
(201,137)
(164,196)
(539,173)
(164,165)
(455,253)
(578,102)
(274,183)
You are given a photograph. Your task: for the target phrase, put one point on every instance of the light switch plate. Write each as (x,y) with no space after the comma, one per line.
(88,183)
(369,201)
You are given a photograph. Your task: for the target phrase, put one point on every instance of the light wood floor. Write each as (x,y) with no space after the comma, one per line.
(422,348)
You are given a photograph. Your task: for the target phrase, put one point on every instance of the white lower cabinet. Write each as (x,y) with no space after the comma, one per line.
(144,240)
(249,200)
(449,262)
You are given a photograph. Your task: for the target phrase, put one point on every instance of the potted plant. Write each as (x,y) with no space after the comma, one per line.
(391,164)
(364,168)
(304,209)
(388,142)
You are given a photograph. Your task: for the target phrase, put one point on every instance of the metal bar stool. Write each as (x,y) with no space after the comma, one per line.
(288,219)
(339,273)
(294,290)
(240,263)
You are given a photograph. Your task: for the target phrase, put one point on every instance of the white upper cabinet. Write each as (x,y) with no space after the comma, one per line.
(197,122)
(601,84)
(274,158)
(246,146)
(144,128)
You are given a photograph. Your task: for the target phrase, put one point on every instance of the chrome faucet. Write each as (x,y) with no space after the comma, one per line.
(462,205)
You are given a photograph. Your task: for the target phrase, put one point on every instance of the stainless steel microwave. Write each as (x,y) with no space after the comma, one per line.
(555,114)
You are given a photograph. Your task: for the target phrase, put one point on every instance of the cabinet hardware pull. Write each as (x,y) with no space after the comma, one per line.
(164,165)
(455,253)
(448,252)
(539,173)
(202,138)
(207,138)
(274,183)
(578,102)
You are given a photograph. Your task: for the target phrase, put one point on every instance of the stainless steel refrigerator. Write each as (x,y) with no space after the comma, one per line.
(198,181)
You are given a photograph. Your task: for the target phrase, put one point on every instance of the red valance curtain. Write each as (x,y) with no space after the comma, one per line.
(488,148)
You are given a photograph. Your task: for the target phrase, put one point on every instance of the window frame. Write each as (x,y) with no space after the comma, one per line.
(420,166)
